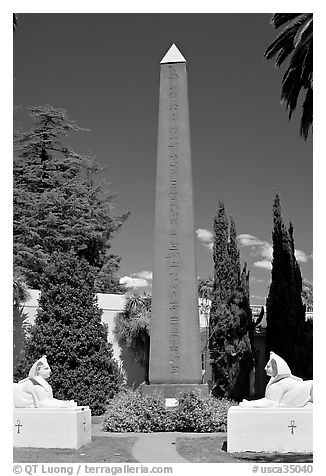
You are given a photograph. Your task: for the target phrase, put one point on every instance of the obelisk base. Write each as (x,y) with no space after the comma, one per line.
(172,390)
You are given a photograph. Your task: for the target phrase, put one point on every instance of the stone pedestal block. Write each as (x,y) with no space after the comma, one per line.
(172,390)
(52,427)
(279,430)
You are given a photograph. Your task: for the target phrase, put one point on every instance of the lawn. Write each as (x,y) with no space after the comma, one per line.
(99,450)
(213,450)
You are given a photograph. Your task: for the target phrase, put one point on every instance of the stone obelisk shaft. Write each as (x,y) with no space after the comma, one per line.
(175,336)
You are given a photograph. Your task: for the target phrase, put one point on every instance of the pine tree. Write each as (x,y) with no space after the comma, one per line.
(58,206)
(230,316)
(284,306)
(69,331)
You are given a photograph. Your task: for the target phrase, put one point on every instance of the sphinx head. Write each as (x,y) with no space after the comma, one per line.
(40,368)
(276,366)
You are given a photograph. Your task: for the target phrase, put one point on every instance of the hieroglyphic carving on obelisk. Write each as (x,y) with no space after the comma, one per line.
(175,336)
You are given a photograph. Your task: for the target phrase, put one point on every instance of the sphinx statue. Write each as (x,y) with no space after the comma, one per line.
(35,392)
(283,389)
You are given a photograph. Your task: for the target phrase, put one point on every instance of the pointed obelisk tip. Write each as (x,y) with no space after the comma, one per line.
(173,56)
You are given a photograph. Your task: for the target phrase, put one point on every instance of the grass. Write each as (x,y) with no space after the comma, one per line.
(99,450)
(213,450)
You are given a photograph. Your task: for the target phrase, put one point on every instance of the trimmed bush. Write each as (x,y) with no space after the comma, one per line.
(131,411)
(196,413)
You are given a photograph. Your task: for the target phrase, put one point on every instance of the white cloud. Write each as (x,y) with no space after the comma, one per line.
(266,264)
(266,250)
(205,236)
(148,275)
(301,256)
(249,240)
(131,282)
(260,248)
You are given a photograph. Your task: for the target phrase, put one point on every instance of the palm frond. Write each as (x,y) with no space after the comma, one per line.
(20,289)
(305,30)
(297,75)
(307,114)
(278,19)
(285,44)
(296,43)
(15,21)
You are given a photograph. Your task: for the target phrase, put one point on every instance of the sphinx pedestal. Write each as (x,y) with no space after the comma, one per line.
(52,427)
(279,430)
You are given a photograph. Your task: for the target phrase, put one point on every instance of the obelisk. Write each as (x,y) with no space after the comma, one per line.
(175,355)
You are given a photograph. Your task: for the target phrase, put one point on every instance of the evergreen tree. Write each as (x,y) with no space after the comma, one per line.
(234,256)
(284,306)
(57,204)
(69,331)
(230,316)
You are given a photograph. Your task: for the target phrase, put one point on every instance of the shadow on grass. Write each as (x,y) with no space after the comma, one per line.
(213,450)
(99,450)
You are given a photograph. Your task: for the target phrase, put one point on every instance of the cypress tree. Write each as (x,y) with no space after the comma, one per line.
(230,316)
(284,306)
(234,257)
(69,331)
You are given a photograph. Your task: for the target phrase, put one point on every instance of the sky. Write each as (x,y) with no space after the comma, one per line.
(104,70)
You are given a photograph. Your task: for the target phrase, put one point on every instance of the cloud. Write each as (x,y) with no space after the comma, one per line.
(142,279)
(148,275)
(260,248)
(265,263)
(249,240)
(131,282)
(266,251)
(205,236)
(301,256)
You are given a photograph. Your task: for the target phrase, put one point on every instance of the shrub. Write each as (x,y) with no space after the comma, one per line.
(131,411)
(196,413)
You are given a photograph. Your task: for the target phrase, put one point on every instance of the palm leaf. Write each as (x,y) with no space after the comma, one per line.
(305,30)
(278,19)
(295,42)
(307,117)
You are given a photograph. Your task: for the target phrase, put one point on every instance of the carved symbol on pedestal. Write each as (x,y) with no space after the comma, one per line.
(292,426)
(18,424)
